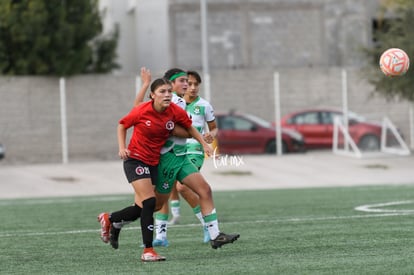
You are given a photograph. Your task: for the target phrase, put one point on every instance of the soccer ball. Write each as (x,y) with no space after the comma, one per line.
(394,62)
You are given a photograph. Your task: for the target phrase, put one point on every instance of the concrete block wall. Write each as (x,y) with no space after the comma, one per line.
(30,107)
(94,106)
(272,34)
(30,119)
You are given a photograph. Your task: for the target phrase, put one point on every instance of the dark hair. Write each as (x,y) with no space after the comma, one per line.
(172,72)
(196,76)
(159,82)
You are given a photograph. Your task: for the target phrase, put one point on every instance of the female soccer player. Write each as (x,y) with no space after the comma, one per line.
(153,123)
(201,113)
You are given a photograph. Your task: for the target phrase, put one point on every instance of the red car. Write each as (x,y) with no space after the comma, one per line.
(316,126)
(248,134)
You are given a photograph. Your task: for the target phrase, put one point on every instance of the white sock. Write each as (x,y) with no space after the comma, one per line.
(197,213)
(212,224)
(161,221)
(175,208)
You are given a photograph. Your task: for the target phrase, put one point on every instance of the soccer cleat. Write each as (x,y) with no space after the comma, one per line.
(206,235)
(103,219)
(149,255)
(174,220)
(223,239)
(162,242)
(114,236)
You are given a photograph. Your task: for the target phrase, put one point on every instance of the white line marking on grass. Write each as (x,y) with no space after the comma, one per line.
(31,234)
(61,200)
(377,208)
(289,220)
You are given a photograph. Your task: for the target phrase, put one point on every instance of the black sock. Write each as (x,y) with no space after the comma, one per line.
(128,214)
(147,221)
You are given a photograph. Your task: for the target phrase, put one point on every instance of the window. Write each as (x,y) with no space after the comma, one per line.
(226,123)
(328,117)
(242,124)
(306,118)
(234,123)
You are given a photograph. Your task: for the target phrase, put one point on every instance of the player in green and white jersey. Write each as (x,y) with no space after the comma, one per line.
(202,114)
(180,87)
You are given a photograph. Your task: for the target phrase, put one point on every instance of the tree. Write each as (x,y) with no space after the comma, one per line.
(393,32)
(54,37)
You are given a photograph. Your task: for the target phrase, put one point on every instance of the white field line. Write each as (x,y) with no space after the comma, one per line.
(290,220)
(7,202)
(377,208)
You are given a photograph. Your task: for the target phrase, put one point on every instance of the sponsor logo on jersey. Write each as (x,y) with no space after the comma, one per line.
(169,125)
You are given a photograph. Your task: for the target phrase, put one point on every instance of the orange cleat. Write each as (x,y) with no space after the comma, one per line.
(103,219)
(149,255)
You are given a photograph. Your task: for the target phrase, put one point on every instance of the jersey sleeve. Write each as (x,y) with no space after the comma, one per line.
(129,119)
(179,101)
(182,117)
(209,113)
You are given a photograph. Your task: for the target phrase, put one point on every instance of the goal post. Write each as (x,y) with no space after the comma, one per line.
(400,148)
(392,142)
(349,147)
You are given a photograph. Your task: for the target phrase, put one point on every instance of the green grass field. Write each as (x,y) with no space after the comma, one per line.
(295,231)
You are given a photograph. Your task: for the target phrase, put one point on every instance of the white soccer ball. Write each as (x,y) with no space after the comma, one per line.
(394,62)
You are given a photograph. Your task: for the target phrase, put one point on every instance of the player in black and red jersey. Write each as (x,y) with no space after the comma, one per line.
(153,123)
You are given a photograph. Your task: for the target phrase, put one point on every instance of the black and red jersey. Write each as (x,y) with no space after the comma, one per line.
(151,129)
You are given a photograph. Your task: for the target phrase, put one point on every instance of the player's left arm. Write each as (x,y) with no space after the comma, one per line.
(212,131)
(196,134)
(211,124)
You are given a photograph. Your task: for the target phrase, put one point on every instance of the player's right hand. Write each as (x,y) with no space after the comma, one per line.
(145,76)
(124,153)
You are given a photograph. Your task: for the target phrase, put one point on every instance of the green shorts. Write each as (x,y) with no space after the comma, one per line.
(197,160)
(172,168)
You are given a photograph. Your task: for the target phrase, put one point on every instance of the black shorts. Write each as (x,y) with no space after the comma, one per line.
(135,169)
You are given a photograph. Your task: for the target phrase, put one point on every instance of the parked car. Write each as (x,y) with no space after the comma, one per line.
(316,126)
(248,134)
(2,151)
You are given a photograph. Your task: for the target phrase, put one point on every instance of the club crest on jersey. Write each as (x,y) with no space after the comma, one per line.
(141,170)
(148,123)
(197,110)
(169,125)
(165,186)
